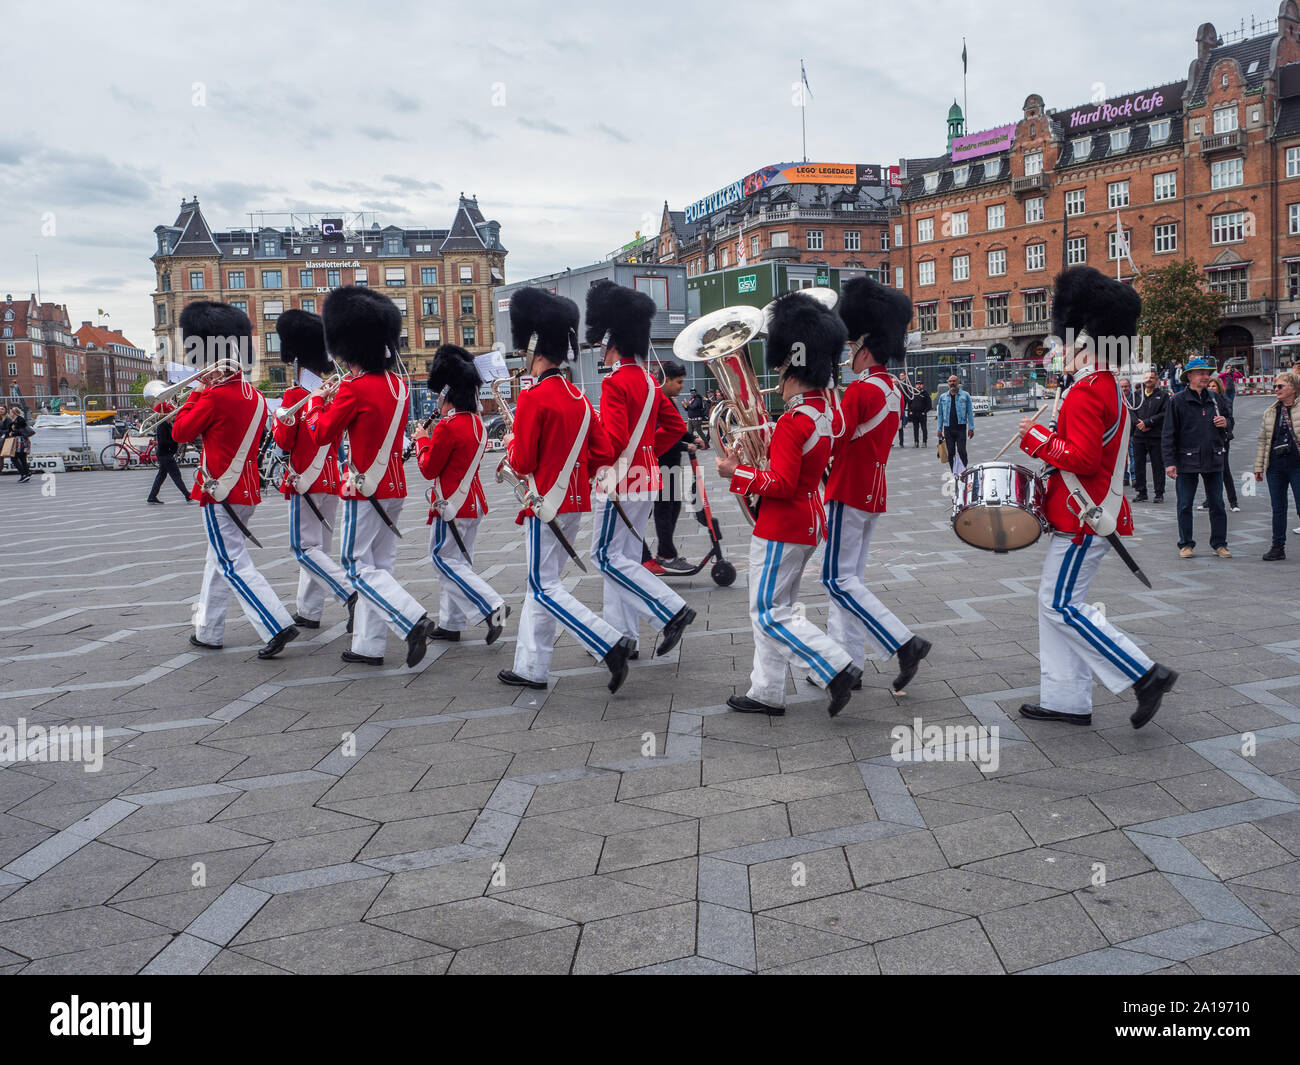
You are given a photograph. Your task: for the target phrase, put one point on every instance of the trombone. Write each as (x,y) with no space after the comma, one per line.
(178,393)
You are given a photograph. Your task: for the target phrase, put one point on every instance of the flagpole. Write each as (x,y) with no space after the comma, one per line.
(803,108)
(965,107)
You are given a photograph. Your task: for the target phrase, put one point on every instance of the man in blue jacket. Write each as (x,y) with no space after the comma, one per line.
(955,415)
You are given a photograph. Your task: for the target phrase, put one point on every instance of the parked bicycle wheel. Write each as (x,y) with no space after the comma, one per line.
(115,456)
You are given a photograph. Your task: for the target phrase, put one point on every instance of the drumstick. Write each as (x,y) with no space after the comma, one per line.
(1017,436)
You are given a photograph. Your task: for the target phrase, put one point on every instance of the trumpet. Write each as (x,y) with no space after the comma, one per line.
(286,415)
(505,474)
(178,393)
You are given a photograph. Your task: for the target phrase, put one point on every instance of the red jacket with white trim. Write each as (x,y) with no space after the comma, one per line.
(790,506)
(446,455)
(221,415)
(302,449)
(364,408)
(547,419)
(623,395)
(858,467)
(1090,408)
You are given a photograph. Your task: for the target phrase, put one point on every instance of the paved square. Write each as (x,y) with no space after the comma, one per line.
(305,815)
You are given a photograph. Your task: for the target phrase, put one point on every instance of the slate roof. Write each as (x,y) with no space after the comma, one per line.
(1255,50)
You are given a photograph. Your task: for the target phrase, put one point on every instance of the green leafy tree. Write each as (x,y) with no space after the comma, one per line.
(137,386)
(1179,314)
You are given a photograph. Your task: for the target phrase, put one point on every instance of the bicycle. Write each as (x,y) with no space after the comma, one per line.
(119,454)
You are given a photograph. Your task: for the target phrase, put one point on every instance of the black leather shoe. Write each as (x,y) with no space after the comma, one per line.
(1158,499)
(196,642)
(1036,713)
(634,654)
(439,633)
(155,502)
(364,660)
(305,623)
(1141,497)
(743,704)
(277,643)
(496,624)
(910,656)
(1149,691)
(509,676)
(1276,553)
(857,684)
(352,609)
(417,642)
(616,660)
(841,688)
(674,629)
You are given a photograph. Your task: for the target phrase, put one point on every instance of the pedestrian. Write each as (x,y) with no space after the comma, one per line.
(1148,423)
(1229,485)
(15,427)
(1126,391)
(165,447)
(1176,379)
(918,410)
(1193,444)
(695,413)
(955,418)
(906,389)
(1277,457)
(668,507)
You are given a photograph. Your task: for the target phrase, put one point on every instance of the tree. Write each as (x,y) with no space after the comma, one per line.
(137,386)
(1178,313)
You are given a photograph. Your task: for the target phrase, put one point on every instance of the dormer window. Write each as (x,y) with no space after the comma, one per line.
(269,246)
(931,182)
(992,169)
(1159,131)
(1081,147)
(9,316)
(1119,140)
(960,174)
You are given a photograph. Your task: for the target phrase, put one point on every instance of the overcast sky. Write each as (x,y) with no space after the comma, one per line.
(572,127)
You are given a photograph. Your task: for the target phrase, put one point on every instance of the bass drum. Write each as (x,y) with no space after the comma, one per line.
(998,506)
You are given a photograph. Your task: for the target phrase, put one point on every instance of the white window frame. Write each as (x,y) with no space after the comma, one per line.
(466,273)
(1075,202)
(1227,173)
(1160,130)
(816,237)
(1080,147)
(1165,186)
(958,223)
(996,216)
(1112,243)
(1226,119)
(931,182)
(924,230)
(1120,140)
(961,267)
(1076,251)
(1293,162)
(925,273)
(1117,194)
(852,240)
(1036,256)
(1293,218)
(1230,227)
(1033,163)
(1165,237)
(1034,209)
(997,262)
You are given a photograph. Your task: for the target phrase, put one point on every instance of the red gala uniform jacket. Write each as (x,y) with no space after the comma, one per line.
(1086,443)
(364,407)
(623,396)
(547,419)
(221,414)
(303,451)
(445,456)
(789,489)
(870,423)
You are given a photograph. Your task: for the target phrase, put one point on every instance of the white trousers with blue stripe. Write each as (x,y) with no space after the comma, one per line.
(368,553)
(857,616)
(549,604)
(228,568)
(782,634)
(631,590)
(1074,638)
(466,597)
(310,541)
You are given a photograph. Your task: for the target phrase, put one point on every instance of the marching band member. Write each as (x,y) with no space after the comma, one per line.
(640,422)
(362,329)
(876,318)
(557,445)
(1085,453)
(804,344)
(230,415)
(311,475)
(450,457)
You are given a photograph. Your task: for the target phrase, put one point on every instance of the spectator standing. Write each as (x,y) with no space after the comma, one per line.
(955,417)
(1193,443)
(918,411)
(903,412)
(1176,380)
(668,507)
(1277,457)
(1229,482)
(15,427)
(1148,424)
(695,411)
(167,465)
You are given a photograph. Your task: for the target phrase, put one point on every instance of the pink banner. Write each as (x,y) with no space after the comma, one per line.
(987,142)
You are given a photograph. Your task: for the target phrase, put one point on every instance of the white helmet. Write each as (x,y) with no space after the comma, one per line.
(153,388)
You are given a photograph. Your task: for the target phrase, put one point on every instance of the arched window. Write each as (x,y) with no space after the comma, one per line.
(9,316)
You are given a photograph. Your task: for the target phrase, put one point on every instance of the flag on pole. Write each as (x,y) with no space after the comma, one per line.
(803,74)
(1121,243)
(963,55)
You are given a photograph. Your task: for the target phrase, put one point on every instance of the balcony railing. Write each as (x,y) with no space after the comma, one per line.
(1247,309)
(789,251)
(1032,183)
(1222,142)
(1029,329)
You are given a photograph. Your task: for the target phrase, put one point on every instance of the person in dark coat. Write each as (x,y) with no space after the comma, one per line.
(1148,424)
(1194,442)
(15,425)
(166,449)
(918,407)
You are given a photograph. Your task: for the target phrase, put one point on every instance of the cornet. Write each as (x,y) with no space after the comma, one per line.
(178,393)
(286,415)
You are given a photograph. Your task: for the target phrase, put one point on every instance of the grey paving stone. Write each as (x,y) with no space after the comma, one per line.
(1136,906)
(964,891)
(183,956)
(1271,956)
(232,963)
(457,925)
(970,841)
(349,949)
(1109,961)
(864,915)
(860,961)
(108,960)
(1235,850)
(1215,902)
(894,857)
(955,948)
(634,941)
(1042,932)
(326,906)
(586,899)
(678,878)
(726,935)
(1187,941)
(650,846)
(550,952)
(796,879)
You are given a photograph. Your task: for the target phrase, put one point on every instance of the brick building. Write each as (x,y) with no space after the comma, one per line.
(440,279)
(1206,169)
(113,364)
(41,359)
(805,215)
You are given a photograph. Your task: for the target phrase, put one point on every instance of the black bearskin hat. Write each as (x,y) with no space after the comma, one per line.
(302,339)
(1087,300)
(212,331)
(878,314)
(624,314)
(805,340)
(453,369)
(551,318)
(362,328)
